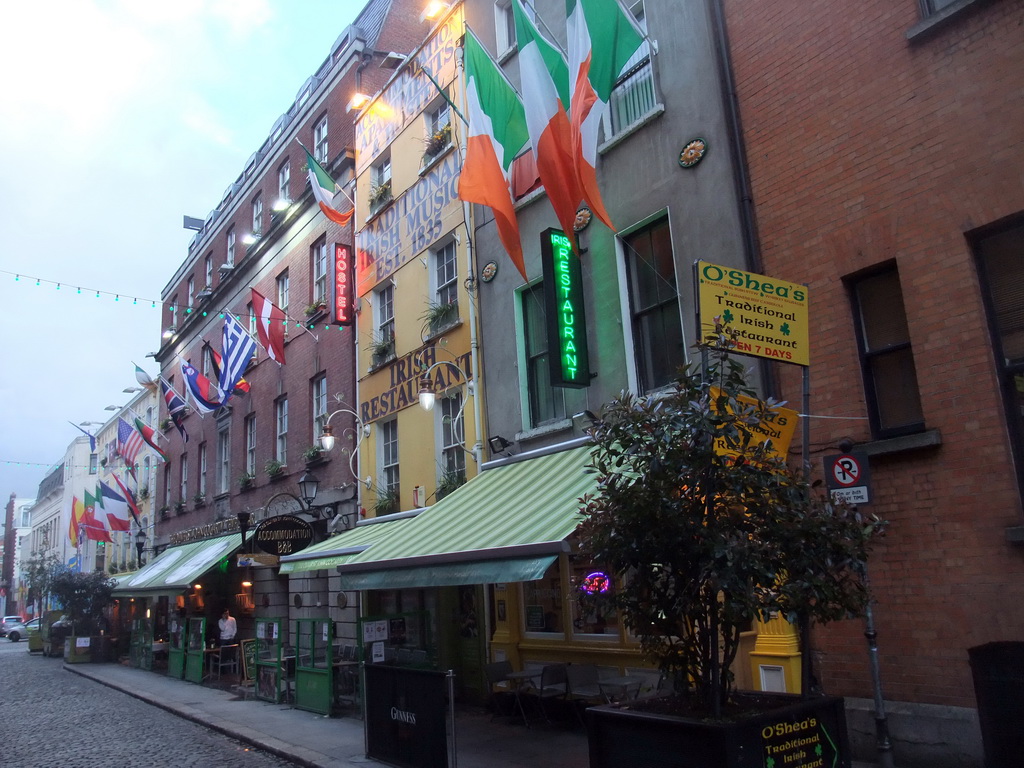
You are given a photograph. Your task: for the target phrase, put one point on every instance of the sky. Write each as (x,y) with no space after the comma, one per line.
(117,118)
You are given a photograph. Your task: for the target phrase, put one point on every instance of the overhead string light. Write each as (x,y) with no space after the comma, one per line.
(78,290)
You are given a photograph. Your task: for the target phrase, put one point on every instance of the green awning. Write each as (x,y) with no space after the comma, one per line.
(507,524)
(341,548)
(176,568)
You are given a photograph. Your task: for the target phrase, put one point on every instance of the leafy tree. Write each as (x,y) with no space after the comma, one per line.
(39,571)
(84,596)
(705,539)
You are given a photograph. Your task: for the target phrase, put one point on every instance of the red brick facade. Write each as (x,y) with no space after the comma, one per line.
(867,144)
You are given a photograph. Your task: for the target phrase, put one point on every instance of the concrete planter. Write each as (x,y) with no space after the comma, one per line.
(803,733)
(77,650)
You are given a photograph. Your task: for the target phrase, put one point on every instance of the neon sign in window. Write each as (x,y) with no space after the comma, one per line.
(563,300)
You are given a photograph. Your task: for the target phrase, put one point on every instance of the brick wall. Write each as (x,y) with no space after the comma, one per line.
(866,147)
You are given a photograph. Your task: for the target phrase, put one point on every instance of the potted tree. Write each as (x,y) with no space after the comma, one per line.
(705,531)
(84,597)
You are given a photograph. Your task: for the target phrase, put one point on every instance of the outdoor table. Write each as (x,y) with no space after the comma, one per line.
(618,688)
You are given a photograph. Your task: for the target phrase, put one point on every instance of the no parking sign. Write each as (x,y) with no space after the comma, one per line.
(848,477)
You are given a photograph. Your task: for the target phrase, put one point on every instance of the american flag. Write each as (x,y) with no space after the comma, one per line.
(129,442)
(238,348)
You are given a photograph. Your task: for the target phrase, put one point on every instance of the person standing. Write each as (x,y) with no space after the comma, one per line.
(228,628)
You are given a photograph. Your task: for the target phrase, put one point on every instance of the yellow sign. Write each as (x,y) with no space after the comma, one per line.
(780,431)
(771,316)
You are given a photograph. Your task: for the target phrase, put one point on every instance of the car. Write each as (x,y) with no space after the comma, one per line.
(17,630)
(7,621)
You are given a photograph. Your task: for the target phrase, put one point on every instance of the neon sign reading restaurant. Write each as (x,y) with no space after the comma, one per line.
(563,300)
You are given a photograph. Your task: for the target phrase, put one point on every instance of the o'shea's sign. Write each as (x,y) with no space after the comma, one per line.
(344,309)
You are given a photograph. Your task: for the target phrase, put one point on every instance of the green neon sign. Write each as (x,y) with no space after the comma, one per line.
(566,320)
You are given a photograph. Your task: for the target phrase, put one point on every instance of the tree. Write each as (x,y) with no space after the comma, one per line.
(39,571)
(707,530)
(84,596)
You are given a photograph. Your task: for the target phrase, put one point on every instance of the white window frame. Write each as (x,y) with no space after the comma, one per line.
(451,431)
(609,131)
(257,215)
(382,171)
(191,291)
(445,273)
(231,247)
(282,291)
(319,405)
(252,321)
(388,455)
(505,27)
(320,141)
(146,468)
(202,469)
(284,177)
(385,301)
(320,263)
(560,411)
(250,444)
(183,469)
(223,460)
(281,430)
(209,270)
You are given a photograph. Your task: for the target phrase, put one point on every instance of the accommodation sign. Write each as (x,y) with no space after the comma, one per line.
(283,535)
(407,226)
(563,302)
(771,316)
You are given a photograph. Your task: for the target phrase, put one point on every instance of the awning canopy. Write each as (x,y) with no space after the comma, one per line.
(341,548)
(176,568)
(507,524)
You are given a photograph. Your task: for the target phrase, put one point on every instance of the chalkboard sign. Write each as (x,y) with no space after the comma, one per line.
(248,659)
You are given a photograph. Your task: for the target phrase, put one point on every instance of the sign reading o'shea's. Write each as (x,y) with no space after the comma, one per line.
(771,316)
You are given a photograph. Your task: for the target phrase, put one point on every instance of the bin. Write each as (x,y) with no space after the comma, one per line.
(998,671)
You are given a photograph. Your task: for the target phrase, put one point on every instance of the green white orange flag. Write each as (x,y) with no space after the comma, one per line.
(496,134)
(603,36)
(323,190)
(545,85)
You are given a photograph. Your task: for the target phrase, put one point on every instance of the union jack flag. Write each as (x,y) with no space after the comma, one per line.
(175,407)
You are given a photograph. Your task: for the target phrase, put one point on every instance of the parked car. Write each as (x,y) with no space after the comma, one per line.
(7,622)
(17,630)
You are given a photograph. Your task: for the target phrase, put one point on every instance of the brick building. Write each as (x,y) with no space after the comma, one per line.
(885,144)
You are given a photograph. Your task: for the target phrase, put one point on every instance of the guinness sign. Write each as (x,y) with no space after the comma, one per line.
(283,535)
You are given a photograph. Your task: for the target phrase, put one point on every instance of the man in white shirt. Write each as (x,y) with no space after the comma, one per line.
(228,628)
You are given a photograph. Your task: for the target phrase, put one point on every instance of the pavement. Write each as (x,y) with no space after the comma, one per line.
(316,741)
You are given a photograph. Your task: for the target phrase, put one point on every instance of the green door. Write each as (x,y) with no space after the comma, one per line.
(269,662)
(314,664)
(176,649)
(141,647)
(195,656)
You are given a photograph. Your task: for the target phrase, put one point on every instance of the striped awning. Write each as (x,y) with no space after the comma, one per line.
(507,524)
(341,548)
(174,570)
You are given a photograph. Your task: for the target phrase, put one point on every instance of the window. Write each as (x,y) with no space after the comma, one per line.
(223,461)
(202,469)
(191,290)
(887,361)
(546,403)
(209,270)
(184,477)
(653,305)
(167,485)
(504,26)
(257,215)
(231,247)
(388,457)
(174,312)
(438,118)
(281,419)
(438,129)
(319,255)
(386,312)
(284,177)
(250,444)
(1002,278)
(145,473)
(92,464)
(591,614)
(207,357)
(446,274)
(319,405)
(252,321)
(633,95)
(931,7)
(320,141)
(453,436)
(544,606)
(282,291)
(380,188)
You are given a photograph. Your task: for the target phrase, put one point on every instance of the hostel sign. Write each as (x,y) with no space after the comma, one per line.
(771,316)
(563,303)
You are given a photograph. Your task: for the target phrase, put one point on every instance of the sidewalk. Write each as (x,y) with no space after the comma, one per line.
(316,741)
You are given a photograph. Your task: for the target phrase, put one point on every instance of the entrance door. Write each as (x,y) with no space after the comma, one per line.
(141,649)
(176,649)
(314,664)
(468,643)
(269,660)
(195,655)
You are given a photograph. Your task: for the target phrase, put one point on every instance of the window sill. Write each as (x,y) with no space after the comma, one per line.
(441,330)
(938,20)
(530,197)
(629,130)
(930,438)
(436,159)
(543,430)
(378,209)
(507,54)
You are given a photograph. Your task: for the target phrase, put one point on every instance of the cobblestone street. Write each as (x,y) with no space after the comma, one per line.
(54,718)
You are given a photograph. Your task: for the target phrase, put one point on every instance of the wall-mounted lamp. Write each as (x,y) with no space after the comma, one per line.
(309,484)
(112,408)
(140,545)
(584,420)
(357,102)
(169,332)
(434,9)
(250,237)
(498,444)
(132,390)
(281,204)
(427,396)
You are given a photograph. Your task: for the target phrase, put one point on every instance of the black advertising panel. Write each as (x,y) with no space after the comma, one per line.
(406,716)
(283,535)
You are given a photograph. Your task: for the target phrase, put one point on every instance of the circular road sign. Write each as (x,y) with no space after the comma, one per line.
(846,470)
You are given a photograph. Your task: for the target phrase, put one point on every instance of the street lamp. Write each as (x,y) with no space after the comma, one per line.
(428,397)
(140,545)
(328,439)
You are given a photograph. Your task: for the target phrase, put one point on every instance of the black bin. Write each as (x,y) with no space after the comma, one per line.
(998,670)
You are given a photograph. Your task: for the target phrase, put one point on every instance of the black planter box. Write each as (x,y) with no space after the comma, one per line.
(801,733)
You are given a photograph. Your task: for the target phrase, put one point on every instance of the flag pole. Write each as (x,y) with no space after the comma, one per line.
(444,95)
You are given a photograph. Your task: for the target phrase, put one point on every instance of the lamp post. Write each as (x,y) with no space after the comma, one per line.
(140,545)
(328,440)
(428,397)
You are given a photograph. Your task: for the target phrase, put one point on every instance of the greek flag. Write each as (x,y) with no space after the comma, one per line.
(237,350)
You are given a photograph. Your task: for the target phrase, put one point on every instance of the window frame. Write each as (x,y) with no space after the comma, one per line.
(388,459)
(284,176)
(202,469)
(445,285)
(384,299)
(451,432)
(250,444)
(282,284)
(183,476)
(231,242)
(208,268)
(320,270)
(223,459)
(257,215)
(191,288)
(281,430)
(534,365)
(321,140)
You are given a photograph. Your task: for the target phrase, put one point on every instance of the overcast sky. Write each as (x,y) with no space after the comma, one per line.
(116,118)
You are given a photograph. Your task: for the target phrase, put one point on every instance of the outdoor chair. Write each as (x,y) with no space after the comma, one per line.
(553,685)
(497,673)
(584,689)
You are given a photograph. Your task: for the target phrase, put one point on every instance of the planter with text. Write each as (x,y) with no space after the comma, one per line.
(803,733)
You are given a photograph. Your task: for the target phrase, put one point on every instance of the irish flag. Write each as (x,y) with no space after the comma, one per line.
(602,38)
(496,134)
(323,190)
(545,80)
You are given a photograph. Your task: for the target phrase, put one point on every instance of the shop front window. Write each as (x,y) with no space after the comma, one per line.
(592,611)
(544,608)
